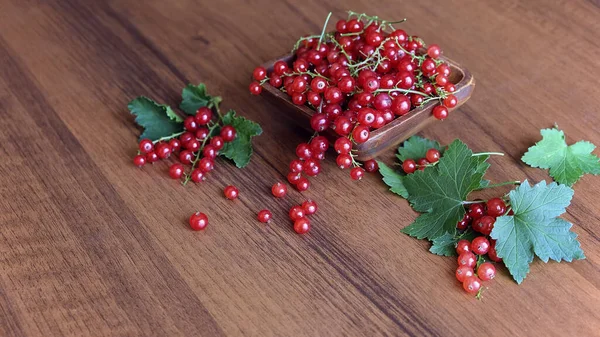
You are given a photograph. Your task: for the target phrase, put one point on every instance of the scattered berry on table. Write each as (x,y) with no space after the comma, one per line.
(198,221)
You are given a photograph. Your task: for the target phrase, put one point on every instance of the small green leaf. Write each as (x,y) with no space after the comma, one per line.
(195,97)
(566,163)
(393,179)
(157,120)
(445,245)
(416,147)
(535,228)
(240,149)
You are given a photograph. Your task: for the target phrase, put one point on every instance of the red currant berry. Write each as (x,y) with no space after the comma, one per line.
(464,223)
(231,192)
(259,73)
(314,98)
(309,207)
(175,144)
(280,68)
(342,145)
(299,85)
(360,134)
(279,190)
(371,165)
(346,84)
(303,151)
(302,226)
(480,245)
(354,26)
(190,124)
(401,105)
(209,152)
(228,133)
(428,67)
(205,165)
(202,133)
(496,207)
(434,51)
(409,166)
(203,116)
(422,163)
(405,80)
(293,177)
(198,221)
(275,81)
(296,212)
(399,35)
(343,161)
(151,157)
(319,144)
(463,246)
(163,151)
(303,184)
(371,84)
(146,146)
(333,95)
(357,173)
(264,216)
(319,122)
(432,155)
(217,142)
(492,253)
(176,171)
(476,211)
(255,88)
(186,157)
(318,85)
(450,101)
(193,145)
(440,112)
(484,225)
(197,176)
(311,167)
(139,160)
(301,66)
(296,166)
(382,102)
(467,259)
(441,80)
(340,26)
(463,272)
(472,284)
(486,271)
(450,87)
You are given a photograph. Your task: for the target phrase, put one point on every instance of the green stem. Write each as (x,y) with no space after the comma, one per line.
(168,137)
(516,182)
(211,128)
(323,31)
(487,154)
(404,91)
(473,202)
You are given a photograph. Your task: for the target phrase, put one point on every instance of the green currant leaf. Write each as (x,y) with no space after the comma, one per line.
(566,163)
(535,228)
(195,97)
(439,192)
(240,149)
(393,179)
(445,245)
(416,147)
(157,120)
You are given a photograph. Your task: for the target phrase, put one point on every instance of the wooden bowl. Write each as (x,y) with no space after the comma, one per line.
(393,133)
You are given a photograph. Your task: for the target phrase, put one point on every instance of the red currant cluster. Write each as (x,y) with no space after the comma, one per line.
(196,146)
(432,156)
(299,216)
(480,217)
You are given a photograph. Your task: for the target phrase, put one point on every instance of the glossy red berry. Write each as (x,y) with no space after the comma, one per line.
(484,225)
(303,184)
(296,212)
(311,167)
(467,259)
(309,207)
(176,171)
(496,207)
(228,133)
(296,165)
(139,160)
(175,144)
(259,73)
(434,51)
(202,134)
(293,177)
(480,245)
(190,124)
(209,152)
(193,145)
(361,134)
(463,246)
(486,271)
(476,211)
(203,116)
(255,88)
(319,144)
(342,145)
(163,151)
(303,151)
(146,146)
(357,173)
(371,165)
(231,192)
(205,165)
(280,68)
(197,176)
(302,226)
(343,161)
(462,272)
(279,190)
(464,222)
(409,166)
(440,112)
(264,216)
(450,101)
(319,122)
(432,155)
(198,221)
(151,157)
(472,284)
(492,254)
(186,157)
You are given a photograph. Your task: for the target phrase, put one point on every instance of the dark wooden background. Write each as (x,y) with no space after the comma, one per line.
(90,245)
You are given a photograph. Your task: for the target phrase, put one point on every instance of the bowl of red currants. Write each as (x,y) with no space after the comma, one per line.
(367,81)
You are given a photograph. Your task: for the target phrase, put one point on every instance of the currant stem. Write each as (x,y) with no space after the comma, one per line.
(323,31)
(473,202)
(168,137)
(211,128)
(516,182)
(487,154)
(404,91)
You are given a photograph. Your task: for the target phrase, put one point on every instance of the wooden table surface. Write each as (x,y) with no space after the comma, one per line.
(91,245)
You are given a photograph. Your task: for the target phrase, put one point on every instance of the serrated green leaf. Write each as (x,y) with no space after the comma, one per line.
(157,120)
(566,163)
(416,147)
(195,97)
(535,228)
(172,114)
(440,192)
(240,149)
(445,245)
(393,179)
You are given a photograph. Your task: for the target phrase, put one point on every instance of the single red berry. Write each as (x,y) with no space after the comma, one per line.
(343,161)
(275,81)
(176,171)
(333,95)
(409,166)
(190,124)
(151,157)
(422,163)
(228,133)
(203,116)
(357,173)
(401,105)
(299,85)
(280,68)
(360,134)
(340,26)
(480,245)
(342,145)
(197,176)
(342,126)
(146,146)
(264,215)
(318,85)
(163,151)
(319,122)
(293,177)
(198,221)
(467,259)
(231,192)
(476,211)
(428,67)
(472,284)
(371,84)
(302,226)
(484,225)
(434,51)
(175,144)
(319,144)
(366,116)
(492,253)
(186,157)
(205,165)
(440,112)
(441,80)
(296,165)
(444,69)
(309,207)
(314,99)
(217,142)
(186,137)
(450,101)
(486,271)
(209,152)
(202,133)
(311,167)
(303,184)
(255,88)
(296,212)
(462,272)
(279,190)
(371,165)
(463,246)
(432,155)
(139,160)
(259,73)
(303,151)
(496,207)
(193,145)
(450,87)
(464,222)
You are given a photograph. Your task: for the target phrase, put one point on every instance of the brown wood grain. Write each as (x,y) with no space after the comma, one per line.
(90,245)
